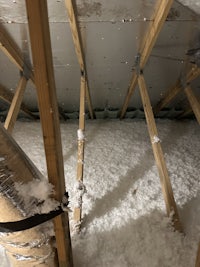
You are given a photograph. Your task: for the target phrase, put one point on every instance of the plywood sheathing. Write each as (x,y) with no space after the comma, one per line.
(44,78)
(161,11)
(79,49)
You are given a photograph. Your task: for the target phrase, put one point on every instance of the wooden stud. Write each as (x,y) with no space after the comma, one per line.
(8,46)
(162,10)
(15,105)
(44,78)
(197,264)
(159,157)
(185,113)
(78,48)
(172,92)
(194,102)
(81,142)
(8,96)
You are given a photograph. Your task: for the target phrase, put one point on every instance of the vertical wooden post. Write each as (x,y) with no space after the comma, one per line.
(81,142)
(195,104)
(159,157)
(46,91)
(15,105)
(198,257)
(79,49)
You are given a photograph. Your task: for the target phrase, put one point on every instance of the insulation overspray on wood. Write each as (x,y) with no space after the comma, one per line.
(31,247)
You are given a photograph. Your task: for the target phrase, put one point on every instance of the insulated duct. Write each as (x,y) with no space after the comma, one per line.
(33,247)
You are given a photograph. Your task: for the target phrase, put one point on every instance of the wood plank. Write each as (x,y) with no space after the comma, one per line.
(80,158)
(171,93)
(194,102)
(11,50)
(161,11)
(78,48)
(197,264)
(8,96)
(15,105)
(159,157)
(44,78)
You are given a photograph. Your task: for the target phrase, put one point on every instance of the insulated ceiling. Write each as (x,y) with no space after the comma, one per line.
(112,32)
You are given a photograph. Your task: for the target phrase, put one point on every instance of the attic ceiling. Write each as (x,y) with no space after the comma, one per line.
(111,32)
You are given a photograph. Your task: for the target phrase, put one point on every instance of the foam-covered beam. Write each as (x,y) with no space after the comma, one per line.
(45,82)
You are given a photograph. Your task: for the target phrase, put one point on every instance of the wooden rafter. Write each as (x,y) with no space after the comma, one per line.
(159,157)
(194,102)
(44,78)
(173,91)
(79,49)
(162,10)
(8,46)
(15,105)
(8,96)
(80,158)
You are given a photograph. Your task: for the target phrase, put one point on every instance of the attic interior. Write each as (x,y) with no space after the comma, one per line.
(125,64)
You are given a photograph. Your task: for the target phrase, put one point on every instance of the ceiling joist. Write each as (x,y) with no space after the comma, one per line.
(194,102)
(44,78)
(79,49)
(158,155)
(173,91)
(162,9)
(15,105)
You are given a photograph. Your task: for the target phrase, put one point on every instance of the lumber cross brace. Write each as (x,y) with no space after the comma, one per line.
(15,226)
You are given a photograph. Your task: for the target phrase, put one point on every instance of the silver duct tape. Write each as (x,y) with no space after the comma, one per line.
(41,259)
(33,244)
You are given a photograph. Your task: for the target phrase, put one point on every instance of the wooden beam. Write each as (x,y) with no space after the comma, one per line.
(44,78)
(80,162)
(197,264)
(162,9)
(185,113)
(194,102)
(8,96)
(11,50)
(78,48)
(159,157)
(173,91)
(15,105)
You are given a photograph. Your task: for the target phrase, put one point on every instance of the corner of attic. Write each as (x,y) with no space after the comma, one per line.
(99,133)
